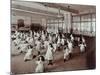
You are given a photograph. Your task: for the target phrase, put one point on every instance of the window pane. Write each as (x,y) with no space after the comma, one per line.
(86,18)
(93,26)
(76,18)
(94,17)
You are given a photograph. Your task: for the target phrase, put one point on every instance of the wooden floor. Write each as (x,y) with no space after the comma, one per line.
(77,62)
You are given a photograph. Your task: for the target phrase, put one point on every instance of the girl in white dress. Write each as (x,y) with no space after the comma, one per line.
(58,42)
(56,35)
(28,38)
(38,46)
(13,35)
(14,50)
(31,41)
(34,33)
(17,41)
(70,46)
(49,54)
(63,36)
(40,65)
(82,47)
(55,47)
(62,41)
(43,37)
(50,38)
(46,43)
(78,39)
(29,54)
(83,40)
(31,34)
(37,34)
(66,54)
(23,47)
(72,38)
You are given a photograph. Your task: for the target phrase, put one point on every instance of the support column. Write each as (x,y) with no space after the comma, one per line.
(44,24)
(67,21)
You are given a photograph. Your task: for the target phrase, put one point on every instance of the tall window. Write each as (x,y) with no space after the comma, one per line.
(54,24)
(93,22)
(85,24)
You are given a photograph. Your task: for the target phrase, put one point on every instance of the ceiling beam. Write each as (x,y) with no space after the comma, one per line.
(58,6)
(31,12)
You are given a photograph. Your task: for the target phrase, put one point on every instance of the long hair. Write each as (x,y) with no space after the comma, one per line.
(41,58)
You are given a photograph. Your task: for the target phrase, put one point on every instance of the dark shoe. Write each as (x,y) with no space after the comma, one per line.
(21,51)
(64,60)
(25,60)
(34,56)
(38,52)
(51,63)
(48,63)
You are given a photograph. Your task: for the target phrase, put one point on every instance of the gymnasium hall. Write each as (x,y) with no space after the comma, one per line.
(52,37)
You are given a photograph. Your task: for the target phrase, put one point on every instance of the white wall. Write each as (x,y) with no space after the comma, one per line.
(27,19)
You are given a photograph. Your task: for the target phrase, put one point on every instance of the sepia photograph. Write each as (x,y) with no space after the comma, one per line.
(52,37)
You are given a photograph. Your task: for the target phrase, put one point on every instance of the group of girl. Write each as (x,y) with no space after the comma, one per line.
(41,40)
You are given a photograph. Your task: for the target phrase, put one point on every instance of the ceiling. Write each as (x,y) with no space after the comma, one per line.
(82,8)
(48,10)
